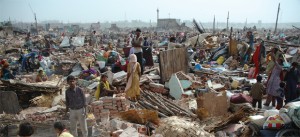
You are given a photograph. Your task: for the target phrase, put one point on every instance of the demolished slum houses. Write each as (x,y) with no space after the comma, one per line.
(185,92)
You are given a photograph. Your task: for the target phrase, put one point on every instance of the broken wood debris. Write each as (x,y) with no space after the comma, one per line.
(165,107)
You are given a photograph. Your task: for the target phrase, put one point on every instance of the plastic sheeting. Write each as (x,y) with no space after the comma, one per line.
(65,42)
(76,41)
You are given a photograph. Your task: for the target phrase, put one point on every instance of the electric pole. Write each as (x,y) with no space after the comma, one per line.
(277,18)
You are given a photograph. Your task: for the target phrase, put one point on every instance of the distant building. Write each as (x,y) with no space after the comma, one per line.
(75,29)
(114,27)
(95,26)
(166,24)
(47,26)
(259,23)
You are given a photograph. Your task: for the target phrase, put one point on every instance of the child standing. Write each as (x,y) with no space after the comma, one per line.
(280,95)
(257,92)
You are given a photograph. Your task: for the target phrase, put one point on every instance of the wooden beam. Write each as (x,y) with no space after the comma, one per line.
(280,43)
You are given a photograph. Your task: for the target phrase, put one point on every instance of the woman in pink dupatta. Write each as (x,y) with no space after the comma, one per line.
(132,89)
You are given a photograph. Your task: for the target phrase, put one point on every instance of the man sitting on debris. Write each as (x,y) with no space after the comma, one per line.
(41,76)
(172,44)
(104,88)
(76,102)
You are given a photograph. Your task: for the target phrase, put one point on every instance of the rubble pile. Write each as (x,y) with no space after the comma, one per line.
(176,126)
(207,93)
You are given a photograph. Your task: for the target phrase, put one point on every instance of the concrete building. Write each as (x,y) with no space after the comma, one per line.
(95,26)
(169,23)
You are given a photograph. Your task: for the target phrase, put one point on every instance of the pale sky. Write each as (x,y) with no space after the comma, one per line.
(87,11)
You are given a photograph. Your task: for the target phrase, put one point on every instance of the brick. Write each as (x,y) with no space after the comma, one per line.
(108,107)
(107,100)
(107,104)
(96,103)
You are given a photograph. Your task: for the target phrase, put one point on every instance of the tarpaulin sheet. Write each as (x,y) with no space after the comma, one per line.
(65,42)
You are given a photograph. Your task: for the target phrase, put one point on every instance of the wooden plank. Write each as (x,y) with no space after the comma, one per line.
(161,66)
(172,61)
(280,43)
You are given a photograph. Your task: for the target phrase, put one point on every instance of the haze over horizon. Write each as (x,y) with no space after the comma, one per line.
(83,11)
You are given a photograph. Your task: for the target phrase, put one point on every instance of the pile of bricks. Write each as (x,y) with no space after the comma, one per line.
(45,117)
(109,107)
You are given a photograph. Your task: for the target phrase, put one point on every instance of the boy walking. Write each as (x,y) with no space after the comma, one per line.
(257,92)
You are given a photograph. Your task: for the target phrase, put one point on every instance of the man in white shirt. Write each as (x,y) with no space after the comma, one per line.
(173,45)
(137,44)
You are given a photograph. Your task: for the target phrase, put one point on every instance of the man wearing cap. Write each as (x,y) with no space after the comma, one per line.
(137,43)
(76,102)
(104,88)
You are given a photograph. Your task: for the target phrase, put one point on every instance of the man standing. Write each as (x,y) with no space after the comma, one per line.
(137,43)
(76,102)
(251,40)
(94,39)
(292,80)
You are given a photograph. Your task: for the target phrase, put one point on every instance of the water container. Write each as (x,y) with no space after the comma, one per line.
(198,67)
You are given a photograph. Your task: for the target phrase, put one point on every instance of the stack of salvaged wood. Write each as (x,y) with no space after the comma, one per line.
(164,106)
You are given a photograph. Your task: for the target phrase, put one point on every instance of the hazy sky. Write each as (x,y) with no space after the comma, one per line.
(145,10)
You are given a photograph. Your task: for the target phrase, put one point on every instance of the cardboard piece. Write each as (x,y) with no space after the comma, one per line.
(216,105)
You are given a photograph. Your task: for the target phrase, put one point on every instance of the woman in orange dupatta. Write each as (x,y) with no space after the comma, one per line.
(132,89)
